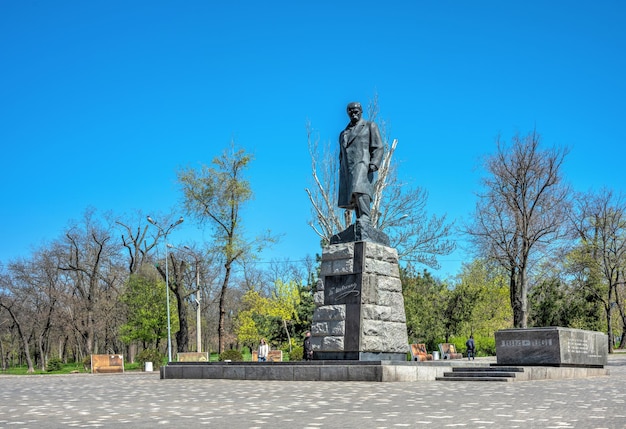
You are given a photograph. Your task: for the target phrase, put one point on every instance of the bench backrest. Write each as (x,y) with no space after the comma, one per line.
(107,363)
(193,357)
(418,350)
(272,356)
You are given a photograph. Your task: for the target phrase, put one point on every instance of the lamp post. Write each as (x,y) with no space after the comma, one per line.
(167,281)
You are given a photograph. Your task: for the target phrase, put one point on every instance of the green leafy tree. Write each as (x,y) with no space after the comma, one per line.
(554,302)
(476,304)
(304,310)
(425,300)
(145,301)
(270,317)
(216,196)
(489,309)
(285,301)
(248,326)
(548,304)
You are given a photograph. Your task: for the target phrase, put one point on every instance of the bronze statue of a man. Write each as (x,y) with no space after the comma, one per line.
(360,154)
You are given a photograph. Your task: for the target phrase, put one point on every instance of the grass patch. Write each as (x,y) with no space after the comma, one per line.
(68,368)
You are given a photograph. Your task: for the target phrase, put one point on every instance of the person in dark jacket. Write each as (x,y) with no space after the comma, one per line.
(308,349)
(471,348)
(360,154)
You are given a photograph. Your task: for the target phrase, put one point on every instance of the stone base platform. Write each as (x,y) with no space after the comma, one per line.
(328,370)
(379,371)
(520,373)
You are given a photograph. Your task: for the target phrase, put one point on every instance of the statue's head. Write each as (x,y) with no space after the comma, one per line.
(354,111)
(354,105)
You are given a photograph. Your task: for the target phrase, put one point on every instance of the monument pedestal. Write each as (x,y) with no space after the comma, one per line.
(359,311)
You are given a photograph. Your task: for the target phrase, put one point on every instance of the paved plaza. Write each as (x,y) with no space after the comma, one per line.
(142,400)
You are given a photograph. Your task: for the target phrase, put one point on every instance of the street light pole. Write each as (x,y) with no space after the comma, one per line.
(167,305)
(167,281)
(198,319)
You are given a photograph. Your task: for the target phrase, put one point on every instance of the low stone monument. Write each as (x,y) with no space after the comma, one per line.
(360,308)
(551,346)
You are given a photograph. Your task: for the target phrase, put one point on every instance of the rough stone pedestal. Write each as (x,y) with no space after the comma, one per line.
(359,311)
(551,346)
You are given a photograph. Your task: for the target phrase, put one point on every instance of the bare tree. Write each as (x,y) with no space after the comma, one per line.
(22,314)
(521,212)
(397,209)
(91,264)
(327,217)
(137,242)
(41,286)
(599,221)
(178,267)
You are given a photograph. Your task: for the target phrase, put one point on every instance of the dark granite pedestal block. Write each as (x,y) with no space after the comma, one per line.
(360,231)
(552,346)
(359,311)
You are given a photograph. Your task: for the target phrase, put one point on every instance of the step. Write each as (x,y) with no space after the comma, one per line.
(487,368)
(482,373)
(486,373)
(452,378)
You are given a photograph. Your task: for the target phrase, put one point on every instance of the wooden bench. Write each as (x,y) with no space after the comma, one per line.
(101,364)
(448,351)
(419,353)
(272,356)
(193,357)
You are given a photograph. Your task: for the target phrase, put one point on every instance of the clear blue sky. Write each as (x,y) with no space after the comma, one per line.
(102,101)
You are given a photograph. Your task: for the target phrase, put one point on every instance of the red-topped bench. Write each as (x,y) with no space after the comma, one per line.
(448,351)
(419,353)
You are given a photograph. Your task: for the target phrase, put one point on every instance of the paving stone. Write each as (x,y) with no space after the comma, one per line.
(142,400)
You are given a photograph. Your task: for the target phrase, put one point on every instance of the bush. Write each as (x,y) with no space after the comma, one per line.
(54,364)
(150,355)
(485,346)
(232,355)
(297,353)
(246,355)
(87,363)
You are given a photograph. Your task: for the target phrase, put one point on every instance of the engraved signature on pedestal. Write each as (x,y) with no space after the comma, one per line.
(343,291)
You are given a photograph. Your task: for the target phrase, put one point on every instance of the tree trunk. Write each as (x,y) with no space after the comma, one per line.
(222,310)
(518,291)
(182,336)
(288,336)
(522,286)
(622,343)
(24,339)
(90,334)
(609,330)
(42,353)
(61,346)
(514,297)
